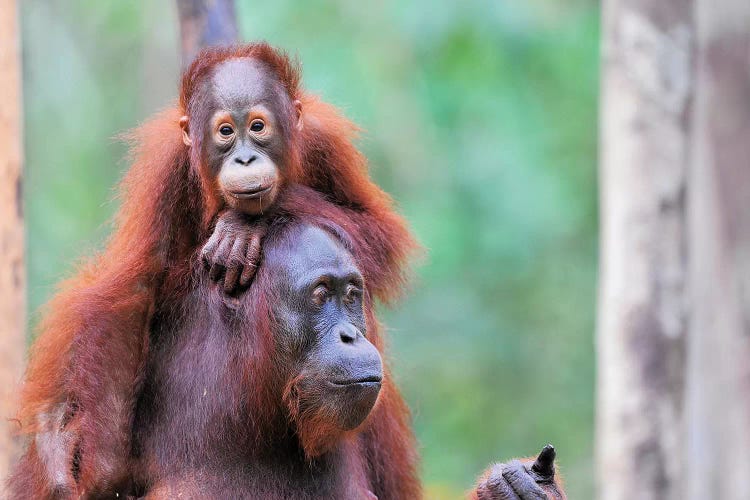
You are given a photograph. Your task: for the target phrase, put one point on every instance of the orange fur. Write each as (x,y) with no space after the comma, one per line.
(93,339)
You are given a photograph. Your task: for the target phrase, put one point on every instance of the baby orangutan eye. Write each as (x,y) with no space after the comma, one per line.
(226,130)
(257,125)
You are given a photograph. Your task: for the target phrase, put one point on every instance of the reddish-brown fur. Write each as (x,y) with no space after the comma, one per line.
(229,420)
(93,341)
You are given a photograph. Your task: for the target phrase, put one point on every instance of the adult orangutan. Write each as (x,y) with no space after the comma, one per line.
(273,395)
(208,159)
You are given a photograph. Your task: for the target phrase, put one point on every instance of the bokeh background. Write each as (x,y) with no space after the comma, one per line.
(479,118)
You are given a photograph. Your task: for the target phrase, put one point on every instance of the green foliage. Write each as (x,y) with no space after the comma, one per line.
(480,119)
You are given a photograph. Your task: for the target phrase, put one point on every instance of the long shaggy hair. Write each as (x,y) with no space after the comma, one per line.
(93,340)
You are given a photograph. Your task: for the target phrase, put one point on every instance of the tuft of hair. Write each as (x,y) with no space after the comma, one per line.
(286,69)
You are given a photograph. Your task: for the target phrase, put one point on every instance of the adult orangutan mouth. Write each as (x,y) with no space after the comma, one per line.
(365,381)
(250,194)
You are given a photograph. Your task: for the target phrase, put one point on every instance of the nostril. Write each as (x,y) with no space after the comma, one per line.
(347,336)
(245,161)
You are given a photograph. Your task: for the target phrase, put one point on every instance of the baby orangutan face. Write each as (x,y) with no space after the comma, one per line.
(245,121)
(335,372)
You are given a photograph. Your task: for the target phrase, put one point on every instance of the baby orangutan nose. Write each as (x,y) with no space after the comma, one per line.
(245,159)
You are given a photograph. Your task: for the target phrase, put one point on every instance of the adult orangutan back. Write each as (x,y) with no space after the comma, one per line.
(86,365)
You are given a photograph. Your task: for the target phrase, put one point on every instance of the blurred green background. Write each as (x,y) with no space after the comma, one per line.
(480,120)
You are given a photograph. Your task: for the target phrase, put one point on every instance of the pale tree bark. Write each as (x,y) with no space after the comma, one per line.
(204,23)
(12,272)
(718,395)
(646,86)
(674,307)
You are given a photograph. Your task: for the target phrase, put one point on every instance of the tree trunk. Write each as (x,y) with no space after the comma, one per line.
(646,86)
(718,395)
(204,23)
(674,322)
(12,272)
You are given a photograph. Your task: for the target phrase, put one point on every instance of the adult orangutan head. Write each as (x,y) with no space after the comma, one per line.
(333,372)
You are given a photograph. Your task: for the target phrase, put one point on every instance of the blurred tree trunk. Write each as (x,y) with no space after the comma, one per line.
(12,272)
(673,326)
(646,84)
(204,23)
(718,393)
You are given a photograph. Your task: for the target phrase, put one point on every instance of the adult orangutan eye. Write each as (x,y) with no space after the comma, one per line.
(226,130)
(352,294)
(320,294)
(257,125)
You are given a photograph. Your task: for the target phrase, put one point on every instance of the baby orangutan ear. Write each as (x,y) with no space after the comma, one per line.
(184,122)
(298,109)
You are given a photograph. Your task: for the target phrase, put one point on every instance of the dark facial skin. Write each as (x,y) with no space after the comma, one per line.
(322,323)
(246,135)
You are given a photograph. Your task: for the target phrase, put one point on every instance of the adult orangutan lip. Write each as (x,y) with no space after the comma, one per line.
(251,193)
(365,380)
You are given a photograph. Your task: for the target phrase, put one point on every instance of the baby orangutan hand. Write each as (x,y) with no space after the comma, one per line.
(232,253)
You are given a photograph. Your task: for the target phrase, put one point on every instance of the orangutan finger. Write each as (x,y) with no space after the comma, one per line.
(234,265)
(496,487)
(522,483)
(252,257)
(545,462)
(209,249)
(220,259)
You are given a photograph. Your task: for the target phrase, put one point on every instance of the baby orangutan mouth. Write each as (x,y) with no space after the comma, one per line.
(253,193)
